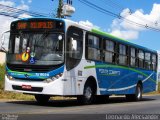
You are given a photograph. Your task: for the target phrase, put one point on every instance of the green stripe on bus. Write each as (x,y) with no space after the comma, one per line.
(121,67)
(107,34)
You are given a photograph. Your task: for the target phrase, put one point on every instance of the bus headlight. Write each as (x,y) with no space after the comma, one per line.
(9,77)
(48,80)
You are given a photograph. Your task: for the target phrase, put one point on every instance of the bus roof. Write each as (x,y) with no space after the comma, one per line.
(123,41)
(97,31)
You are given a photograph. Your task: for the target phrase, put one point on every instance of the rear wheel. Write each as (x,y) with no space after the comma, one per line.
(42,99)
(88,96)
(137,96)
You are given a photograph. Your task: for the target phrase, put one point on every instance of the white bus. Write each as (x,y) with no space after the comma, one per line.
(58,57)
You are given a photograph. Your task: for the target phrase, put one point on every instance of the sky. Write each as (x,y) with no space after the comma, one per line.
(146,12)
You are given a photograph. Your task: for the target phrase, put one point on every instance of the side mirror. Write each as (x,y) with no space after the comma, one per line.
(4,43)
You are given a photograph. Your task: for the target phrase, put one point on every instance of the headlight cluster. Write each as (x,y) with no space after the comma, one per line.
(9,77)
(48,80)
(51,79)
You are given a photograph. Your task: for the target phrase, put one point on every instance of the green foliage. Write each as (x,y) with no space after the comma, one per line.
(10,95)
(2,73)
(159,86)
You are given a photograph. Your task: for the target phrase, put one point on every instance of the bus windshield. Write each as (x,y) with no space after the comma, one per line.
(44,48)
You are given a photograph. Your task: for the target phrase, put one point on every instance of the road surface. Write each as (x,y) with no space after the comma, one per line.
(70,109)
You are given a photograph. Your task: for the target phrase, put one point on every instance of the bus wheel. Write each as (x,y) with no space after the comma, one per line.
(88,96)
(138,93)
(42,99)
(137,96)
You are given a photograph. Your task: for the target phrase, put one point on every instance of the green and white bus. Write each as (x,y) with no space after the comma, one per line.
(58,57)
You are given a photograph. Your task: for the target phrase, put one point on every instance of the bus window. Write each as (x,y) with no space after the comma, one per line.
(93,41)
(74,47)
(141,58)
(93,48)
(147,63)
(154,62)
(122,54)
(17,43)
(133,57)
(109,51)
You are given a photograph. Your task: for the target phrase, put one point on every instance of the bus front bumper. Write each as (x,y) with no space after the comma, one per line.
(30,87)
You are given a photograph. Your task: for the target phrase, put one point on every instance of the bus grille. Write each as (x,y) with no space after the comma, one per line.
(32,68)
(29,79)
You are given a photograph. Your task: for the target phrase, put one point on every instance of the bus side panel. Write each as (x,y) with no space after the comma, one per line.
(114,79)
(149,84)
(77,77)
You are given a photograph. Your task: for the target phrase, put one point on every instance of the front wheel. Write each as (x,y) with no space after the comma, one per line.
(42,99)
(88,96)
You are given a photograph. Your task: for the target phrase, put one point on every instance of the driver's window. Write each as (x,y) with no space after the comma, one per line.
(73,44)
(74,47)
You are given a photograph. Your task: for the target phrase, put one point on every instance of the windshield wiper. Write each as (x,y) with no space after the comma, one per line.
(45,35)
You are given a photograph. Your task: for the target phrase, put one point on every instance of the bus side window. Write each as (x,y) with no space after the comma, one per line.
(140,59)
(122,54)
(133,57)
(154,62)
(147,62)
(109,51)
(93,48)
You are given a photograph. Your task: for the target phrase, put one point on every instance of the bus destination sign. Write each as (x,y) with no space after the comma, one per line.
(36,25)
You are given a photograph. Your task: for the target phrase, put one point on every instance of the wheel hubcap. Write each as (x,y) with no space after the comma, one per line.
(138,93)
(88,93)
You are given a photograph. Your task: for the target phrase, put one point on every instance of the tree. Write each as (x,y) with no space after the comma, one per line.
(59,9)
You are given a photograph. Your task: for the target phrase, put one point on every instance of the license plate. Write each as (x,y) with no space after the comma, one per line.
(27,87)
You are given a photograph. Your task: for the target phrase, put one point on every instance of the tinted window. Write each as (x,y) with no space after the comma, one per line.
(109,45)
(93,41)
(109,49)
(74,47)
(122,54)
(133,57)
(147,60)
(154,62)
(141,58)
(93,51)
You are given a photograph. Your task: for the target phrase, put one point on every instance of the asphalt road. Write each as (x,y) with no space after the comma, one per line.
(70,109)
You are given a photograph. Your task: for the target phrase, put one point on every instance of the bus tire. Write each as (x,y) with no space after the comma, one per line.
(88,96)
(42,99)
(138,94)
